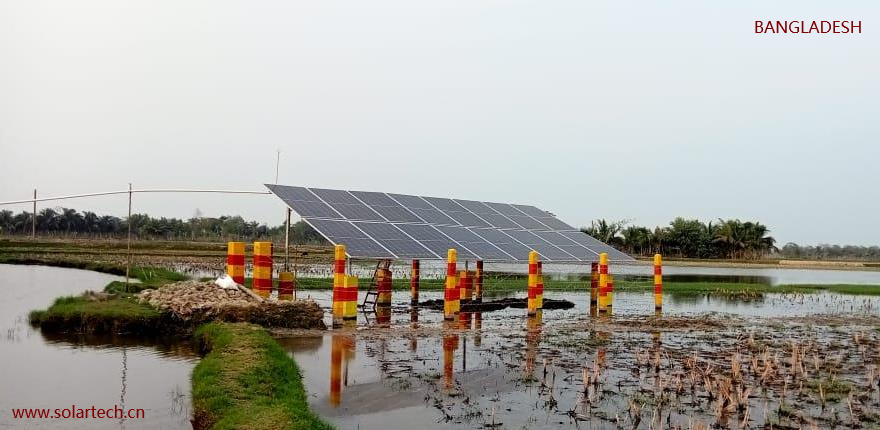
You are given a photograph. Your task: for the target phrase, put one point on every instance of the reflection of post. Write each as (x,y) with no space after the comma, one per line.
(336,370)
(451,293)
(342,350)
(450,344)
(478,327)
(533,337)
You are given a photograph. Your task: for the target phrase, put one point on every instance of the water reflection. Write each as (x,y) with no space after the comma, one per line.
(533,338)
(52,370)
(343,351)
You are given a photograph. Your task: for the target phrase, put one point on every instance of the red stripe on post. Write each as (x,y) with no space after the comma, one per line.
(658,289)
(533,268)
(262,284)
(658,270)
(450,269)
(235,260)
(339,266)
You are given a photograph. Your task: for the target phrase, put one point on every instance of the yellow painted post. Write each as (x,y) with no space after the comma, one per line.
(350,295)
(533,283)
(339,292)
(263,268)
(603,282)
(658,282)
(285,286)
(451,294)
(235,261)
(539,289)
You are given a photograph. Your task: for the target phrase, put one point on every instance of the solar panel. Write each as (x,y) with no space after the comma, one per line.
(395,240)
(304,202)
(357,243)
(475,243)
(435,241)
(546,249)
(517,250)
(384,225)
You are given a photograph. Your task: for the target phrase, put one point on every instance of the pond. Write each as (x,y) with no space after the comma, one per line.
(504,370)
(61,370)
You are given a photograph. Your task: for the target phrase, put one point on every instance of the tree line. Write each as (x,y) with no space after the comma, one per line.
(688,238)
(71,223)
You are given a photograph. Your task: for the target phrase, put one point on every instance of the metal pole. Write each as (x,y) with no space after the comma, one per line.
(128,262)
(287,242)
(34,220)
(277,162)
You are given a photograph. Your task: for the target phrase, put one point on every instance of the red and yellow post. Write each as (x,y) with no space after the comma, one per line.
(594,284)
(383,298)
(658,282)
(383,281)
(285,286)
(533,283)
(451,294)
(414,283)
(465,285)
(235,261)
(603,282)
(350,296)
(478,282)
(539,288)
(263,268)
(340,296)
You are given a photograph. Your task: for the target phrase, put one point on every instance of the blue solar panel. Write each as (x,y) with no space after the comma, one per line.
(380,225)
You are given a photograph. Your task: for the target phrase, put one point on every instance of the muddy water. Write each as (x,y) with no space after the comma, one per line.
(58,371)
(504,370)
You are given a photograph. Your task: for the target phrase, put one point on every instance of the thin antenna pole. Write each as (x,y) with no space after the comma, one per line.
(34,220)
(128,263)
(277,163)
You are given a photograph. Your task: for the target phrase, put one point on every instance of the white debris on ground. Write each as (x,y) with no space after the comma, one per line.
(197,302)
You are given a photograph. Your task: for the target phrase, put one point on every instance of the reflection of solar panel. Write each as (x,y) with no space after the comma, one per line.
(379,226)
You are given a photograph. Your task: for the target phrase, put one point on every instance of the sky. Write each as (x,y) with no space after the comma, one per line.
(612,109)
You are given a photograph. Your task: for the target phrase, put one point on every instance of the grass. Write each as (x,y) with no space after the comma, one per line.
(247,381)
(119,313)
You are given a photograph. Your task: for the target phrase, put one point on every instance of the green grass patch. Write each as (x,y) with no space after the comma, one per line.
(85,314)
(852,289)
(247,381)
(119,312)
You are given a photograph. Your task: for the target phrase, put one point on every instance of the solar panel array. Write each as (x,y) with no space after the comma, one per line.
(385,225)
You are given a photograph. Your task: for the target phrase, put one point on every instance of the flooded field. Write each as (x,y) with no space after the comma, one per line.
(58,371)
(784,361)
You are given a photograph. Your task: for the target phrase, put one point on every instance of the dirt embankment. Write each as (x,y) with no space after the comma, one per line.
(197,302)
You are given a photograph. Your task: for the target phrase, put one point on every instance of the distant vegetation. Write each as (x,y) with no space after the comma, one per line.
(72,224)
(689,238)
(686,238)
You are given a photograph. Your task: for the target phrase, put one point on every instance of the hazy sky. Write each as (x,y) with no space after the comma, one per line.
(590,109)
